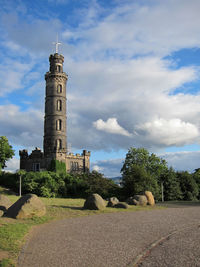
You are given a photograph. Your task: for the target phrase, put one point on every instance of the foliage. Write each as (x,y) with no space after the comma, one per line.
(139,180)
(10,180)
(188,185)
(6,263)
(171,186)
(57,166)
(6,151)
(52,184)
(142,171)
(141,157)
(196,177)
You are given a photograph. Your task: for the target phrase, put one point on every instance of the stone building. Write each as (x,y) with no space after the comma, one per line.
(55,124)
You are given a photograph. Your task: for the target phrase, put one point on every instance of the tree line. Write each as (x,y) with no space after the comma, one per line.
(141,171)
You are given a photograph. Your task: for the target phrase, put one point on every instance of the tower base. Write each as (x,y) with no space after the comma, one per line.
(37,161)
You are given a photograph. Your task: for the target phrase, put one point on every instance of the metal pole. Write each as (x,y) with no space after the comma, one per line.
(20,185)
(162,191)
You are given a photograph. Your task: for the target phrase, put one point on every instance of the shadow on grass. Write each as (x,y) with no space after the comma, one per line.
(6,191)
(67,207)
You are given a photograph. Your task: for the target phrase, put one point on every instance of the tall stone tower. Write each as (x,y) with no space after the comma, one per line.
(55,108)
(55,136)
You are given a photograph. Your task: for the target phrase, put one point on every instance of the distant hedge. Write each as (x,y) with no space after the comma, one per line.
(52,184)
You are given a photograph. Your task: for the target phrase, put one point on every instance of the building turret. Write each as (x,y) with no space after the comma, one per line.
(55,137)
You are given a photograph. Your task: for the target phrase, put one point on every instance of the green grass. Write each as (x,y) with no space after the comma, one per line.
(6,263)
(12,232)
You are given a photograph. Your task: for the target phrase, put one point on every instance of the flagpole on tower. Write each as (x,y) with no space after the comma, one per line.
(57,44)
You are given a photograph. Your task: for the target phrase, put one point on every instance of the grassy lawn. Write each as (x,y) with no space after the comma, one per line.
(13,232)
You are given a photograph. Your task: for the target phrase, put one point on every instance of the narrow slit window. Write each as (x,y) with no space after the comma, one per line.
(59,88)
(59,105)
(58,125)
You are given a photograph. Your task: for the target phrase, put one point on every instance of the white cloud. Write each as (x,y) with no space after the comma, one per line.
(183,161)
(110,168)
(110,126)
(168,132)
(23,128)
(12,165)
(11,75)
(97,168)
(116,66)
(135,28)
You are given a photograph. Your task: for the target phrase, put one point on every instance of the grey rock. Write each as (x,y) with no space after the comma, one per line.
(140,200)
(112,201)
(27,206)
(94,202)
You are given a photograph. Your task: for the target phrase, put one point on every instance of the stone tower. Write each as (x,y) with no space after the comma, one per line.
(55,137)
(55,108)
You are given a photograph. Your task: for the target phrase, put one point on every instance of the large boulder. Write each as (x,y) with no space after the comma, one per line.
(150,198)
(112,201)
(94,202)
(140,200)
(27,206)
(121,205)
(5,202)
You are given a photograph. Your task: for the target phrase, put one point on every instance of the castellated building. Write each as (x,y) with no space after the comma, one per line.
(55,137)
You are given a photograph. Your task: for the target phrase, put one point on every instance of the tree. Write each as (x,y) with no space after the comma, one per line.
(139,180)
(141,157)
(172,190)
(196,176)
(6,151)
(143,171)
(188,185)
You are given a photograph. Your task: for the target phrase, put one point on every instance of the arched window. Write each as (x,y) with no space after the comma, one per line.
(59,68)
(59,88)
(59,105)
(58,144)
(74,166)
(58,125)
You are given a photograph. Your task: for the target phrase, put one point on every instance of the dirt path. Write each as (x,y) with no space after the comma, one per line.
(114,239)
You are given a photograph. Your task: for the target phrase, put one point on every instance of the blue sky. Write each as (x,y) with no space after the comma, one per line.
(134,77)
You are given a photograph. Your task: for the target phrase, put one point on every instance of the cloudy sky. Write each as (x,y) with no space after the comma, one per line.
(134,76)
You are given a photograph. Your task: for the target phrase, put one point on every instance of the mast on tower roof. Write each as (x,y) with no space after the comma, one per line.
(57,44)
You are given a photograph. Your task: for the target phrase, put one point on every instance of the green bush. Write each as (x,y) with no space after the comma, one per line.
(57,166)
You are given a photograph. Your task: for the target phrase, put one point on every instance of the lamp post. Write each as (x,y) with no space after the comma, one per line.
(162,191)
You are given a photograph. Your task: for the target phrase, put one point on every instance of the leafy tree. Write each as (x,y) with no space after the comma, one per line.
(172,190)
(141,157)
(188,185)
(6,151)
(196,176)
(95,182)
(139,180)
(142,171)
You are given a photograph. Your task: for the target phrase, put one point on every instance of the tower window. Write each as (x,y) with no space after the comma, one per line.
(59,88)
(58,144)
(58,125)
(59,105)
(59,68)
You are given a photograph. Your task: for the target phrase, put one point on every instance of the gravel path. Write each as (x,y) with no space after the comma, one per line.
(114,239)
